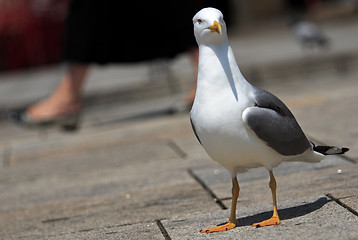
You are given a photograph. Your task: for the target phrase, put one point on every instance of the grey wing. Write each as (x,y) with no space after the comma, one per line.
(273,123)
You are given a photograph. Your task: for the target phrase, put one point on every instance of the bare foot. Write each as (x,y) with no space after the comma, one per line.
(51,108)
(66,99)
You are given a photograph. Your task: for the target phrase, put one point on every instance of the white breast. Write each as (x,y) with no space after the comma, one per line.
(217,114)
(219,125)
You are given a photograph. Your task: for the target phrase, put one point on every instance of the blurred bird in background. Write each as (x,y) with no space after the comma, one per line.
(308,34)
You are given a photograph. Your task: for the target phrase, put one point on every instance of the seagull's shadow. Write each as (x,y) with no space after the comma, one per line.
(286,213)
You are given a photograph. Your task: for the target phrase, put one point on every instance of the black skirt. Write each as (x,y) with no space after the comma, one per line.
(113,31)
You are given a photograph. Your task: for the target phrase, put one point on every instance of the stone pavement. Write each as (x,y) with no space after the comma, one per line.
(135,172)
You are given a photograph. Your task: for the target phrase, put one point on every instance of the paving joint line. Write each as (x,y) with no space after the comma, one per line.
(338,201)
(177,149)
(163,230)
(206,188)
(51,220)
(5,156)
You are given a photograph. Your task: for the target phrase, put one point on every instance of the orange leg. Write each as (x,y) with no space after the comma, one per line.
(232,220)
(274,220)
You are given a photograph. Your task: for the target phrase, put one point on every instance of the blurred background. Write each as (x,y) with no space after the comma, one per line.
(31,31)
(273,40)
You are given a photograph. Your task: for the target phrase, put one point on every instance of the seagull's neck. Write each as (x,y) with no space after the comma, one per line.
(218,70)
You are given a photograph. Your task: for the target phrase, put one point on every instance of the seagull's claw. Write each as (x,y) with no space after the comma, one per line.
(225,227)
(269,222)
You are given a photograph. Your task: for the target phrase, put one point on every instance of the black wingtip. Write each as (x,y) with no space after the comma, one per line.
(344,149)
(330,150)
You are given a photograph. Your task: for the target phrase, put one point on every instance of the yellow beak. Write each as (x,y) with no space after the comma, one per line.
(216,27)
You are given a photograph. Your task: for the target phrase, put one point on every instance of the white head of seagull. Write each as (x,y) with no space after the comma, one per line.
(205,22)
(217,64)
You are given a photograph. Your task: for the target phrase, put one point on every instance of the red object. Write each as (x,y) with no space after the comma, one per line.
(31,33)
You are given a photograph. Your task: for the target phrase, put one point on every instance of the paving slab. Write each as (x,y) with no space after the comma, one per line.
(297,185)
(52,206)
(101,178)
(314,217)
(52,142)
(347,197)
(131,165)
(76,215)
(217,174)
(148,231)
(254,188)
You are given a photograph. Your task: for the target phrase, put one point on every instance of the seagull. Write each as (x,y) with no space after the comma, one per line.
(239,125)
(309,35)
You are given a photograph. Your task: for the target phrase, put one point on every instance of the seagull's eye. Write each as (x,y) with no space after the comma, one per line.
(200,21)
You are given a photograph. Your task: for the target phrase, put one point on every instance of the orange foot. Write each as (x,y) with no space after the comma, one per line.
(268,222)
(225,227)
